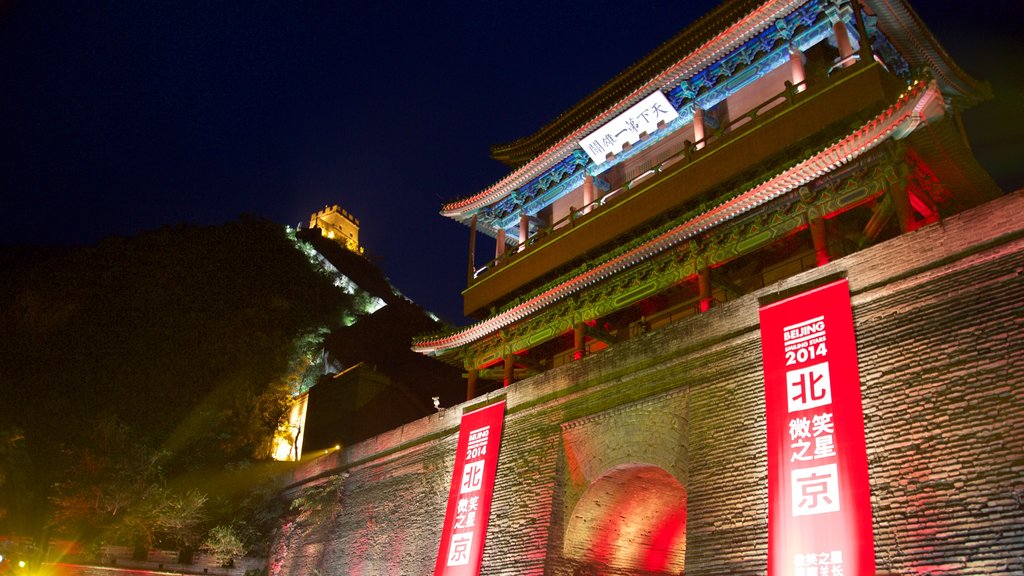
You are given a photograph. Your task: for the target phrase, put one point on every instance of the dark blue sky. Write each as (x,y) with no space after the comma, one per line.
(123,116)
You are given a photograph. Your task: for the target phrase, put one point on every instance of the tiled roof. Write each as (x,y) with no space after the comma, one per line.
(686,53)
(903,116)
(518,152)
(911,37)
(711,38)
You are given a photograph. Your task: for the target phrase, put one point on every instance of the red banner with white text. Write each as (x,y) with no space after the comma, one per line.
(819,505)
(469,499)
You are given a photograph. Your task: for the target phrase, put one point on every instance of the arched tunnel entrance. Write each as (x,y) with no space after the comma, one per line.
(630,521)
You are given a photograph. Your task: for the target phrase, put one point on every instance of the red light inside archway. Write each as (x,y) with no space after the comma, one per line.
(631,518)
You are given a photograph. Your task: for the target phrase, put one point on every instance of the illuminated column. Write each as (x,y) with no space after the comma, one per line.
(472,251)
(510,367)
(862,31)
(796,66)
(901,204)
(899,196)
(499,247)
(471,383)
(579,340)
(588,192)
(524,231)
(698,126)
(843,42)
(704,283)
(820,239)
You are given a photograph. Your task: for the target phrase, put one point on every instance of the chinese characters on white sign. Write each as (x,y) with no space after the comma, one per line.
(627,128)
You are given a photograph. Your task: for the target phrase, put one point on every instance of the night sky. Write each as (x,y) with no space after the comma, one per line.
(124,116)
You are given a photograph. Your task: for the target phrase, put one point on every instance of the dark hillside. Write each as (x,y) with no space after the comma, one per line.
(185,337)
(137,370)
(381,342)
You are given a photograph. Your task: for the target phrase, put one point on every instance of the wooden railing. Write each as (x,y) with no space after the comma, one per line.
(689,151)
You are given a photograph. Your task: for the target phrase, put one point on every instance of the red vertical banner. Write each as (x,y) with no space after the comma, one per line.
(469,499)
(819,505)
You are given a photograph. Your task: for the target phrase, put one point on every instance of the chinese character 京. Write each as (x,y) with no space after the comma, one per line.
(458,551)
(815,490)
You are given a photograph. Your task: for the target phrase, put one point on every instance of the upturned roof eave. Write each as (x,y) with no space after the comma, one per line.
(896,18)
(725,37)
(521,150)
(911,36)
(907,109)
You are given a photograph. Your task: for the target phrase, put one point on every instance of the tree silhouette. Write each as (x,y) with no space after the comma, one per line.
(139,368)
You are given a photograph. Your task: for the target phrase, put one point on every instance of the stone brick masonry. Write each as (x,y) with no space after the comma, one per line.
(939,320)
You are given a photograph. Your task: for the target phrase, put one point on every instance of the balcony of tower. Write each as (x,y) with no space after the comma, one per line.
(828,148)
(757,129)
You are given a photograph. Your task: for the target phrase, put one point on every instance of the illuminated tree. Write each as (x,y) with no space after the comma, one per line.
(224,543)
(170,359)
(319,503)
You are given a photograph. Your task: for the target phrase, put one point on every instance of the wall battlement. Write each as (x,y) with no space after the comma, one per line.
(337,224)
(937,315)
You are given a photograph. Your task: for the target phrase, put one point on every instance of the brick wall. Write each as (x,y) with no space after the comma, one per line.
(939,319)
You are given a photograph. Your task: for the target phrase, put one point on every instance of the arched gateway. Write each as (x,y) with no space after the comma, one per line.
(631,520)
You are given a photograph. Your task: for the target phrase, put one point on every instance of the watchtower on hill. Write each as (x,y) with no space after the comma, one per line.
(337,224)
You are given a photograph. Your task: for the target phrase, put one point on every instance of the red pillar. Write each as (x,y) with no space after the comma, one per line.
(900,197)
(820,239)
(588,193)
(843,42)
(510,367)
(524,231)
(471,383)
(796,67)
(499,246)
(579,340)
(862,31)
(698,126)
(704,282)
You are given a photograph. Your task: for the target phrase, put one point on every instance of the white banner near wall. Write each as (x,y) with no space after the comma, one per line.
(626,128)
